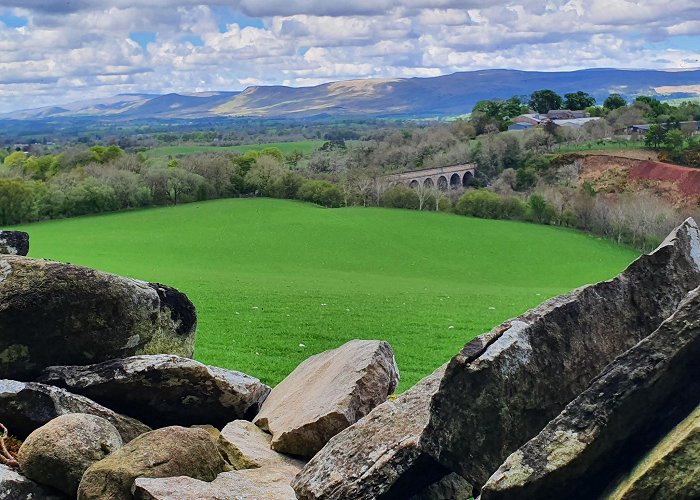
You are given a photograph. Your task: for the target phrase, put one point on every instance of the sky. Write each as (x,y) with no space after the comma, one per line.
(58,51)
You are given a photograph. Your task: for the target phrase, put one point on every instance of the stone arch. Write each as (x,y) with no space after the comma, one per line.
(413,184)
(467,179)
(428,183)
(455,180)
(442,183)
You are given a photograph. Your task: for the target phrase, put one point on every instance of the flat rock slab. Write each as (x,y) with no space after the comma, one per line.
(14,486)
(14,243)
(166,452)
(246,446)
(602,432)
(327,393)
(163,389)
(59,314)
(671,470)
(26,406)
(251,484)
(379,456)
(491,404)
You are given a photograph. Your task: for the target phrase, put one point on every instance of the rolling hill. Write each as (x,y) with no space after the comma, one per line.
(447,95)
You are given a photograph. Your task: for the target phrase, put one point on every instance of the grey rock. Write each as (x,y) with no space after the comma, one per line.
(378,457)
(327,393)
(163,389)
(246,446)
(451,487)
(58,453)
(14,486)
(250,484)
(166,452)
(60,314)
(602,432)
(14,243)
(26,406)
(490,404)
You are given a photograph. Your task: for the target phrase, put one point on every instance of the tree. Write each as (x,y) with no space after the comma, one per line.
(322,193)
(674,140)
(16,201)
(545,100)
(578,100)
(614,101)
(654,137)
(262,177)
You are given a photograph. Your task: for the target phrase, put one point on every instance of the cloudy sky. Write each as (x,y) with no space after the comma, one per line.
(57,51)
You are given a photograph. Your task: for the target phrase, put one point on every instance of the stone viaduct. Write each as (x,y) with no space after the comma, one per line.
(444,178)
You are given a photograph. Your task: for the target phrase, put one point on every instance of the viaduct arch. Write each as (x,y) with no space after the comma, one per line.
(444,178)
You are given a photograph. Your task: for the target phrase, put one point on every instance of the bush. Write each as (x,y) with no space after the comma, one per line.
(479,203)
(401,197)
(322,193)
(539,210)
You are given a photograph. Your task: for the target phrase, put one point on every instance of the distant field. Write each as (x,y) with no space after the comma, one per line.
(305,147)
(276,281)
(601,146)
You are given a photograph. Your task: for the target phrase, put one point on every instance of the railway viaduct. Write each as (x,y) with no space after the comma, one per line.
(444,178)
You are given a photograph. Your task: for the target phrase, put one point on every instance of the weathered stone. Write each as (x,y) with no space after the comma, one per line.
(164,389)
(451,487)
(166,452)
(491,404)
(60,314)
(379,456)
(14,486)
(246,446)
(26,406)
(250,484)
(14,243)
(58,453)
(671,470)
(327,393)
(606,428)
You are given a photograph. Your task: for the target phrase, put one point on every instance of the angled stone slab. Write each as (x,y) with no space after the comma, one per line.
(164,389)
(60,314)
(603,432)
(327,393)
(246,446)
(26,406)
(489,405)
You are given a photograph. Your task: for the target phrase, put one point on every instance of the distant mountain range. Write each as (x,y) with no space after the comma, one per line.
(447,95)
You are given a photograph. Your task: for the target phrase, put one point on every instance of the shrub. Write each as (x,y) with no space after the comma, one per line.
(322,193)
(401,197)
(480,203)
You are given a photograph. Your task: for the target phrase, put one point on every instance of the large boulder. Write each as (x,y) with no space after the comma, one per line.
(327,393)
(58,453)
(164,389)
(490,405)
(378,457)
(14,243)
(246,446)
(250,484)
(166,452)
(451,487)
(60,314)
(26,406)
(602,432)
(14,486)
(670,471)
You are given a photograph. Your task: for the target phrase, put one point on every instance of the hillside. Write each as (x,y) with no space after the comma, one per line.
(447,95)
(276,281)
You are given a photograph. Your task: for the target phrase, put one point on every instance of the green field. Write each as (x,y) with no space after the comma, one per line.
(305,147)
(276,281)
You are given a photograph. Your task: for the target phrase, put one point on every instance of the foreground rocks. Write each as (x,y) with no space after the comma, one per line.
(14,486)
(58,453)
(378,457)
(245,446)
(671,470)
(61,314)
(164,390)
(599,433)
(14,243)
(251,484)
(490,405)
(327,393)
(167,452)
(26,406)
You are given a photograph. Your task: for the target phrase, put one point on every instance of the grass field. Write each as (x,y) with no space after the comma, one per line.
(305,147)
(276,281)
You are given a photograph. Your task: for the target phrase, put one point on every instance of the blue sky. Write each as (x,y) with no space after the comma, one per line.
(57,52)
